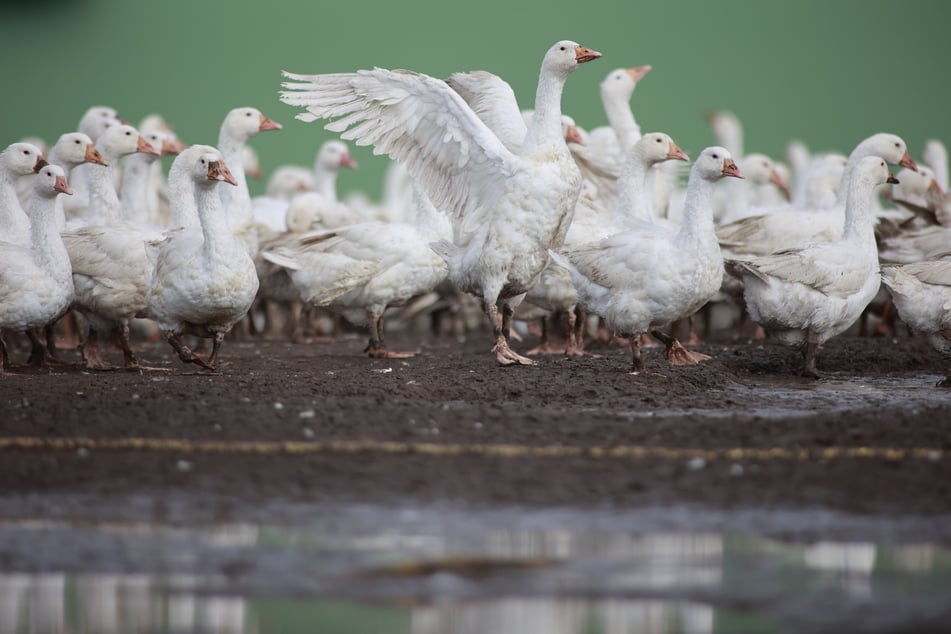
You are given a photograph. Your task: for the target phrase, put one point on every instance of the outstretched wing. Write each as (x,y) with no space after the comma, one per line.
(493,101)
(416,120)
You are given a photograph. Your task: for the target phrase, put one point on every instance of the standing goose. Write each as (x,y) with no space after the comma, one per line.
(18,159)
(805,297)
(922,294)
(111,257)
(643,279)
(512,206)
(93,123)
(204,279)
(36,286)
(70,151)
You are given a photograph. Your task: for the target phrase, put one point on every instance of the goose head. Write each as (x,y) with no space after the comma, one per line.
(157,123)
(288,181)
(872,171)
(565,56)
(656,147)
(887,146)
(915,185)
(241,124)
(573,134)
(51,181)
(74,148)
(621,82)
(714,163)
(97,119)
(210,169)
(160,141)
(761,170)
(20,159)
(123,139)
(332,156)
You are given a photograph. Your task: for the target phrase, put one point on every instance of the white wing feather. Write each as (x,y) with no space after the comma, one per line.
(416,120)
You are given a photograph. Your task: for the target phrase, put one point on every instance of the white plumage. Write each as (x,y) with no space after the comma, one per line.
(511,206)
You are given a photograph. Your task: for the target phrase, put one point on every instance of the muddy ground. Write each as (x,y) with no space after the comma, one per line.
(450,425)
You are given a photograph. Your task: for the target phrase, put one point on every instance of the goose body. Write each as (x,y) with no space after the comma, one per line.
(805,297)
(204,279)
(511,207)
(36,286)
(642,279)
(922,295)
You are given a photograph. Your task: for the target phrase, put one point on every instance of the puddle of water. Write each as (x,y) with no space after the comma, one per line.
(427,571)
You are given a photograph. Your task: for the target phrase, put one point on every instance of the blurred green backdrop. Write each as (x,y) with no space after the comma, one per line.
(827,72)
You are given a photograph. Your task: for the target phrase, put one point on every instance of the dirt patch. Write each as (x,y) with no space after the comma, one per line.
(879,396)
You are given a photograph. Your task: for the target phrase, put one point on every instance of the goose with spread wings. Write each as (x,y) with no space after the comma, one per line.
(509,207)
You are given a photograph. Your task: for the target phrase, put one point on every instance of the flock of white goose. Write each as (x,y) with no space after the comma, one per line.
(508,205)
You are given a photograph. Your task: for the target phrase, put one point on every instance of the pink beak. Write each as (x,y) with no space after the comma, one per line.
(573,135)
(62,186)
(146,148)
(907,162)
(674,152)
(637,73)
(730,169)
(218,171)
(347,161)
(269,124)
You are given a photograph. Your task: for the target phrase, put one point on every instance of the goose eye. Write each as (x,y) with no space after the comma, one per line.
(26,152)
(77,142)
(716,156)
(658,140)
(898,145)
(562,48)
(203,161)
(247,114)
(128,134)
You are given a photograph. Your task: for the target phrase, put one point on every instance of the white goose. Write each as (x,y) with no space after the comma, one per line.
(922,294)
(270,210)
(774,232)
(513,206)
(736,200)
(361,269)
(111,257)
(321,207)
(36,285)
(643,279)
(17,160)
(204,279)
(805,297)
(71,150)
(935,156)
(239,125)
(93,123)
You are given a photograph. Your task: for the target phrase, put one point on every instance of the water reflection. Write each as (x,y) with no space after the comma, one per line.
(432,576)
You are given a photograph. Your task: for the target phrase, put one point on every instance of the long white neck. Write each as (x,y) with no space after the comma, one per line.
(325,182)
(621,119)
(545,131)
(14,223)
(135,183)
(48,249)
(104,203)
(859,211)
(697,225)
(635,199)
(237,200)
(219,239)
(181,198)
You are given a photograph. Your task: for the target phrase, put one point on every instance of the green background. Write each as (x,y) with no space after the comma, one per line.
(827,72)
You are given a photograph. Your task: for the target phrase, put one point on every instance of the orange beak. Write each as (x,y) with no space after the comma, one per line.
(583,54)
(637,73)
(778,181)
(730,169)
(169,147)
(40,164)
(145,147)
(62,186)
(269,124)
(573,135)
(674,152)
(93,156)
(935,187)
(218,171)
(907,162)
(347,161)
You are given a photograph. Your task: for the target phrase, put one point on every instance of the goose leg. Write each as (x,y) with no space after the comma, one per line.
(4,359)
(184,352)
(544,347)
(809,352)
(503,353)
(91,354)
(216,342)
(376,348)
(38,350)
(676,354)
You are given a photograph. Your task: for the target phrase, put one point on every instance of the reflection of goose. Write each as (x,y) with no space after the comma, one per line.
(513,205)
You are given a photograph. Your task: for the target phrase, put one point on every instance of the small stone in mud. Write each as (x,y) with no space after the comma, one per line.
(736,469)
(696,464)
(183,465)
(307,413)
(308,432)
(279,406)
(82,452)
